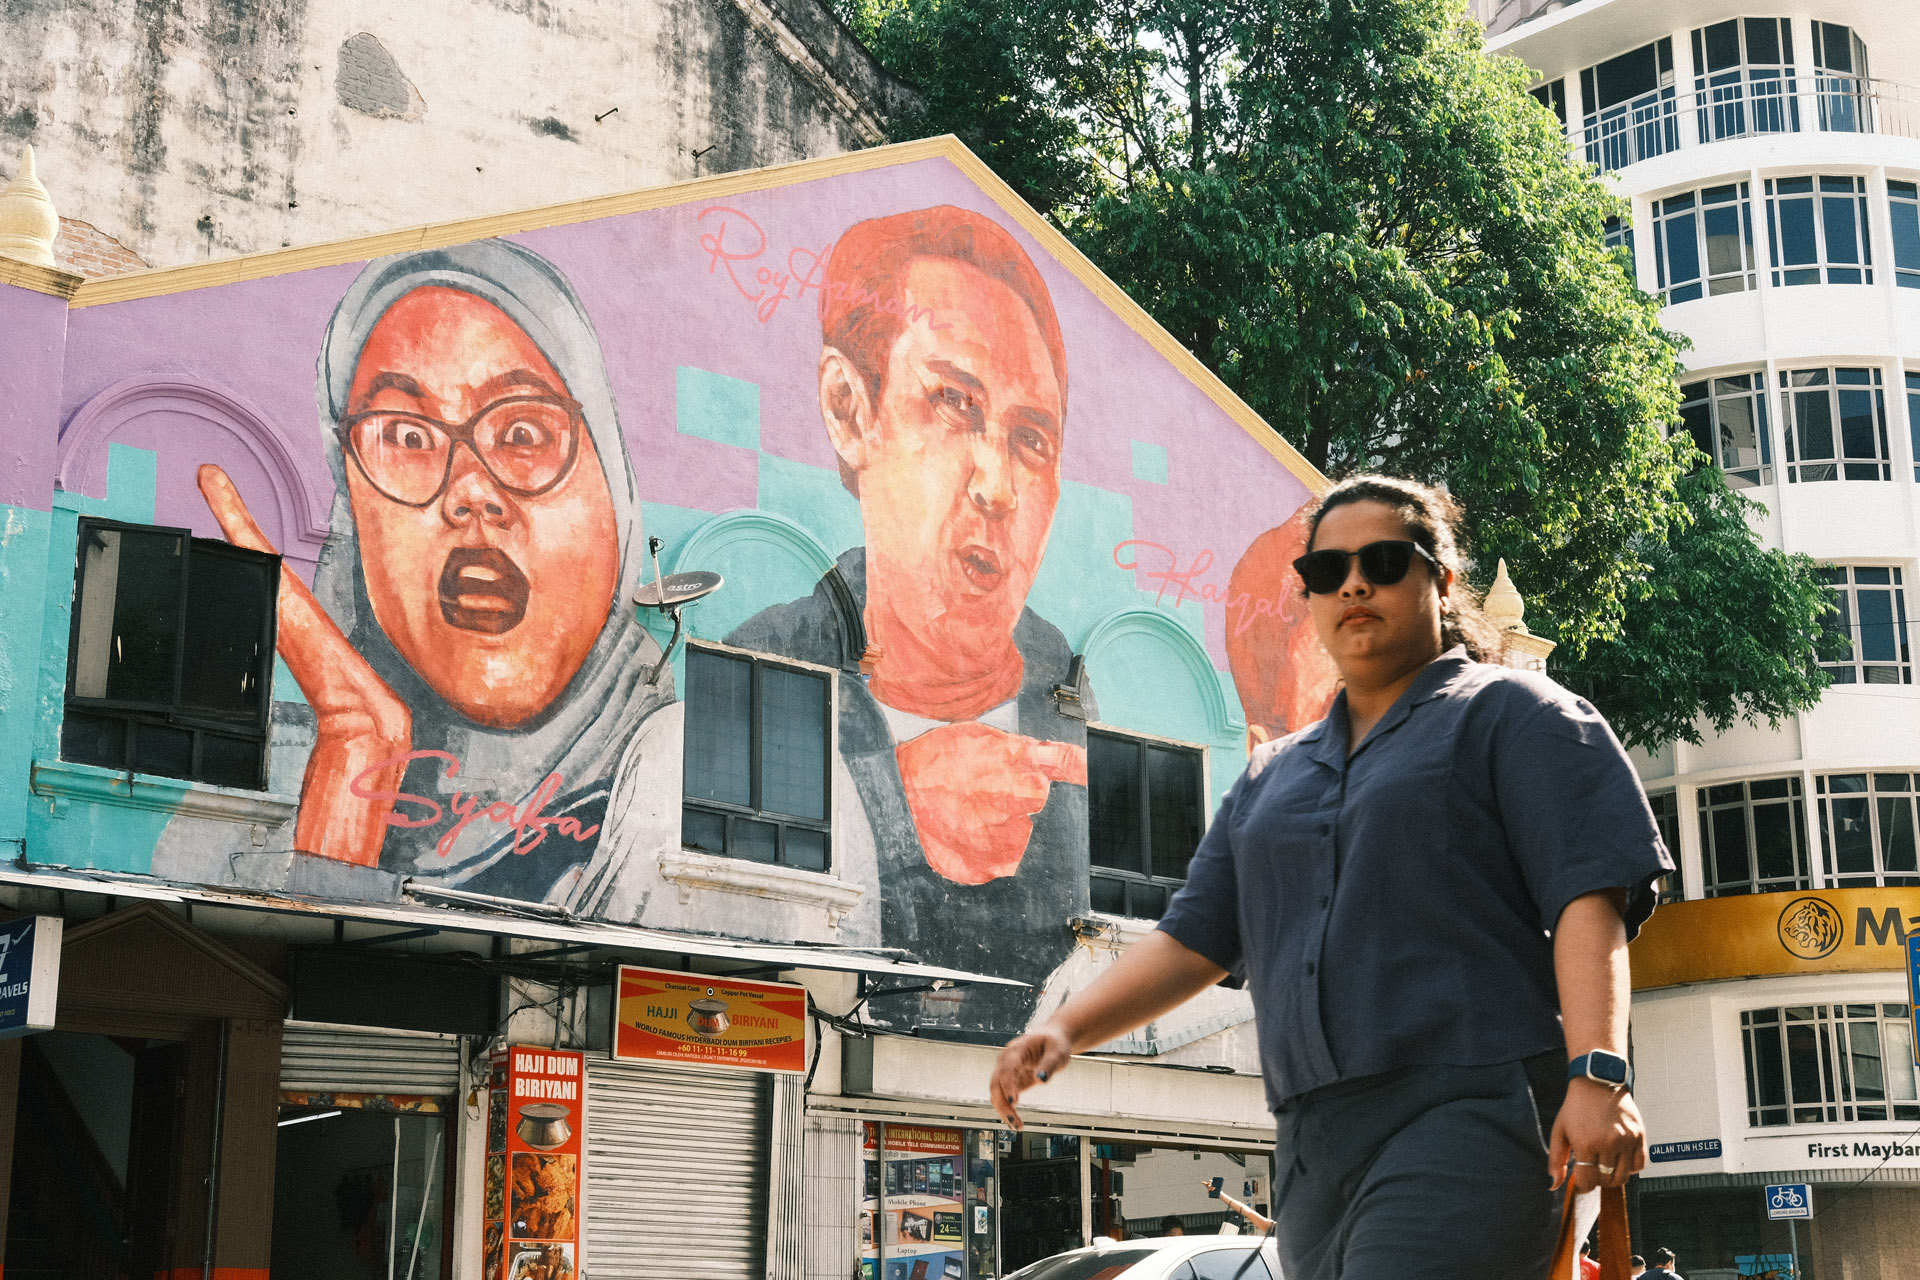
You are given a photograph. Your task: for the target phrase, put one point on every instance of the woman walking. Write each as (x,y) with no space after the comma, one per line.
(1429,894)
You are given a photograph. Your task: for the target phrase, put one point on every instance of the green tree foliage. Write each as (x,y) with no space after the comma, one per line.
(1373,234)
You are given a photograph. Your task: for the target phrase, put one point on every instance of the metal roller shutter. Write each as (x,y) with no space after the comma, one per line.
(326,1059)
(677,1175)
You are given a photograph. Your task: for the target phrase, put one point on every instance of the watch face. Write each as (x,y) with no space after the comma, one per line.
(1607,1068)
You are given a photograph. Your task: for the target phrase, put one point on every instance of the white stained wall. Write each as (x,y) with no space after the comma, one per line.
(210,128)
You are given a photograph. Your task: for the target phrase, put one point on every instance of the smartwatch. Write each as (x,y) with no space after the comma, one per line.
(1609,1069)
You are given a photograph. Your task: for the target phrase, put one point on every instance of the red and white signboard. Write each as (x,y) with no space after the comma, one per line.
(693,1019)
(536,1164)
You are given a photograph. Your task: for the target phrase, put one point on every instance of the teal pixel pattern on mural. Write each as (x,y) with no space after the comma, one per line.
(716,407)
(1149,462)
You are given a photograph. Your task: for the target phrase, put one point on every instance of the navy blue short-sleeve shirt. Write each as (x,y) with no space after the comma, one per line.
(1393,909)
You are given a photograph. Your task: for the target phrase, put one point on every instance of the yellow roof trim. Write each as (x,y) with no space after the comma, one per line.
(260,266)
(31,275)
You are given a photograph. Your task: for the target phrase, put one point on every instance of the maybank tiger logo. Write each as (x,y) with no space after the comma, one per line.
(1810,928)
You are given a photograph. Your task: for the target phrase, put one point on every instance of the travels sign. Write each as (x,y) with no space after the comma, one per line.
(29,974)
(699,1020)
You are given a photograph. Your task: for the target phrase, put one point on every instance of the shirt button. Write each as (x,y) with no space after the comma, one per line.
(1326,828)
(1310,969)
(1326,900)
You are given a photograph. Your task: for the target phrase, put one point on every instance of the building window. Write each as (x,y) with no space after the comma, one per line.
(1666,816)
(1743,78)
(1144,820)
(1630,107)
(1903,199)
(1836,422)
(1840,62)
(1829,1064)
(1618,235)
(1703,241)
(1727,418)
(1870,613)
(1753,837)
(1819,224)
(170,663)
(1553,96)
(757,743)
(1913,420)
(1867,819)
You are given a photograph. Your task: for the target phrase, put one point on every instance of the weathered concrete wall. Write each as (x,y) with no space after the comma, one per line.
(203,128)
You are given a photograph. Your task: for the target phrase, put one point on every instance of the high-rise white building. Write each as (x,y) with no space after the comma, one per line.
(1771,155)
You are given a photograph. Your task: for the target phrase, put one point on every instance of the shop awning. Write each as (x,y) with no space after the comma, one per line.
(467,920)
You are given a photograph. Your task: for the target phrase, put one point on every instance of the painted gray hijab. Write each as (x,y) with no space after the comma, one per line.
(578,739)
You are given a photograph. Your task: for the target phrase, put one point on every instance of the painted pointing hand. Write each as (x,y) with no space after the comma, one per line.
(363,727)
(974,791)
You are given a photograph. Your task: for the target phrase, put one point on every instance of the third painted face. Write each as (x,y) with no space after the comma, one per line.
(495,586)
(962,473)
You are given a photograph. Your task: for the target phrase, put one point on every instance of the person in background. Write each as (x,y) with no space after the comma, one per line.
(1663,1264)
(1172,1226)
(1589,1267)
(1258,1221)
(1637,1266)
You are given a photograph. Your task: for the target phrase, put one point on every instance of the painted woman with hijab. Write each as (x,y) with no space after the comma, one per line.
(476,670)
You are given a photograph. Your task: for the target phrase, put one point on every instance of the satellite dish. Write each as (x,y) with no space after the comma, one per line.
(677,589)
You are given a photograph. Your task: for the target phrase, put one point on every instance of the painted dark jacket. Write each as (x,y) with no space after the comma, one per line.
(1015,926)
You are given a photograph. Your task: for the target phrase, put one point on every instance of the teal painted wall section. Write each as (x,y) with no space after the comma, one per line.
(1149,462)
(24,559)
(813,498)
(68,832)
(1078,583)
(672,525)
(716,407)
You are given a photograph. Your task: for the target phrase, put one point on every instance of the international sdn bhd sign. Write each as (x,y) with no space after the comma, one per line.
(1822,931)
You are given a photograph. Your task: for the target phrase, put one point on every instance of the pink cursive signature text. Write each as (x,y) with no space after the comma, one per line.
(528,823)
(736,245)
(1165,573)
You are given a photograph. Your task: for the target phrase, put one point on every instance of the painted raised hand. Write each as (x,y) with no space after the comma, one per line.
(364,730)
(974,791)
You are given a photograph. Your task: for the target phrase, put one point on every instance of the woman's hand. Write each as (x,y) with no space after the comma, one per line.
(364,730)
(1599,1130)
(1150,977)
(1034,1058)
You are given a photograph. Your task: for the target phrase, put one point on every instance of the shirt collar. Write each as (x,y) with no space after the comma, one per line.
(1326,742)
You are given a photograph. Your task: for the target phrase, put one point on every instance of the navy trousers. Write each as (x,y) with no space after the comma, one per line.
(1435,1172)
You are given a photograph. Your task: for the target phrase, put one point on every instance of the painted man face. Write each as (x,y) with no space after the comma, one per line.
(959,471)
(495,588)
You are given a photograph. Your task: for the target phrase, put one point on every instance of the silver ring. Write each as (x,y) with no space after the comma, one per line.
(1591,1165)
(1606,1170)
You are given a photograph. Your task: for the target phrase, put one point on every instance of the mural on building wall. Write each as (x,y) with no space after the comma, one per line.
(925,454)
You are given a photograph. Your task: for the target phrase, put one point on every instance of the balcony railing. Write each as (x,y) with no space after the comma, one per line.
(1743,103)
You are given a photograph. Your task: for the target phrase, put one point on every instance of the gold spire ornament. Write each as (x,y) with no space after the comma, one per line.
(28,222)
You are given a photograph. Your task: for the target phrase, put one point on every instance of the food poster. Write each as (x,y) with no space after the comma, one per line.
(694,1020)
(536,1164)
(912,1223)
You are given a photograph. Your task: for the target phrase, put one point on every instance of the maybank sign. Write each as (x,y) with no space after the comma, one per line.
(1768,934)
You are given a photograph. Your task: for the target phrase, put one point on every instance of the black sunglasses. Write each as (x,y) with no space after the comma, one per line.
(1383,563)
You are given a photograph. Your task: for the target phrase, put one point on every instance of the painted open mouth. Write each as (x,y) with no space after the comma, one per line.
(482,590)
(980,566)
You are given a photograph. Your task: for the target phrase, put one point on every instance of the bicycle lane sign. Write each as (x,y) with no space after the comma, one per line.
(1790,1200)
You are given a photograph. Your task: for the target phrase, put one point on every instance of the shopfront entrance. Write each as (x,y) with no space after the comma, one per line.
(136,1138)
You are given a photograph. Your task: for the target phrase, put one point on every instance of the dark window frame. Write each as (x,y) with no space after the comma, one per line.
(733,814)
(1752,93)
(1816,1076)
(173,714)
(1666,816)
(1833,201)
(1681,232)
(1885,799)
(1140,883)
(1719,800)
(1707,414)
(1847,583)
(1806,465)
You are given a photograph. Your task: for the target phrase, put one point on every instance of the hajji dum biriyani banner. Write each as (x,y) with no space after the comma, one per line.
(536,1164)
(700,1020)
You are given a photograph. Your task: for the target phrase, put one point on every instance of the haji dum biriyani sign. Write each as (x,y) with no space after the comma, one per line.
(690,1019)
